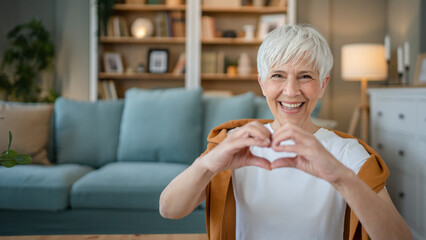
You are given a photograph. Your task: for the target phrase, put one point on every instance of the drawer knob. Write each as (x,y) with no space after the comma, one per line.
(379,113)
(401,153)
(401,194)
(401,116)
(380,146)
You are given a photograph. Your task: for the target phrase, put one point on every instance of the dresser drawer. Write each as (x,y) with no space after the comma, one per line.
(397,149)
(421,117)
(381,110)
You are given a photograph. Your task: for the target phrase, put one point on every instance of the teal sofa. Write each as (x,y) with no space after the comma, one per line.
(111,160)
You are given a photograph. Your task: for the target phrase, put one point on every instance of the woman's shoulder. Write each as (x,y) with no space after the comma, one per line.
(344,147)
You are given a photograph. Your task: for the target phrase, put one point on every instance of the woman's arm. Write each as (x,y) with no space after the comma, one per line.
(187,190)
(375,211)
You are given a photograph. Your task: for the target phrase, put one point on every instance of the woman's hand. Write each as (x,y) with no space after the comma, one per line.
(311,157)
(234,151)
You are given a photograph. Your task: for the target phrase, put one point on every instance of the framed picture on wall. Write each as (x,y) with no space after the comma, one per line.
(158,60)
(113,63)
(420,75)
(268,23)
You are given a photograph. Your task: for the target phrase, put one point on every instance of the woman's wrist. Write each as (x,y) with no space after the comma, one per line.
(203,167)
(346,177)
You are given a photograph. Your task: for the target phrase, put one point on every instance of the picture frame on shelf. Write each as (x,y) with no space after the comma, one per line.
(420,75)
(268,23)
(113,63)
(158,60)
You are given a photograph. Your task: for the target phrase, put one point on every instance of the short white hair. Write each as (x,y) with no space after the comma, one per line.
(294,43)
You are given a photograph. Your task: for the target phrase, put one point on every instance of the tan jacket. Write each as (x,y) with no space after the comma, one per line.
(220,202)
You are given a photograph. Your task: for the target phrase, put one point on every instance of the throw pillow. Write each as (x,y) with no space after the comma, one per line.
(218,110)
(29,124)
(87,132)
(161,125)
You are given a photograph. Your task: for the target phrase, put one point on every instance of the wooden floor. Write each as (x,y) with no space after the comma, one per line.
(111,237)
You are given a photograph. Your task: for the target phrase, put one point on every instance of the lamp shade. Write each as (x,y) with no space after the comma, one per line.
(364,61)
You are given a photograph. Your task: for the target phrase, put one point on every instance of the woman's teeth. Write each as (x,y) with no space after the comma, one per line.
(291,106)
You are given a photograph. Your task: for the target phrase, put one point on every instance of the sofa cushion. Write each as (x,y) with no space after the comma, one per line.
(262,109)
(37,187)
(29,124)
(218,110)
(161,125)
(124,185)
(87,132)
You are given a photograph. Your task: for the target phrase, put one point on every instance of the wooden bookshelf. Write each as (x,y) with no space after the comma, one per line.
(148,8)
(150,40)
(244,9)
(231,41)
(226,77)
(142,76)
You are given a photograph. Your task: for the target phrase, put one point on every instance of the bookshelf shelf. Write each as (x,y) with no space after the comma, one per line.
(148,8)
(243,9)
(225,77)
(151,40)
(231,41)
(142,76)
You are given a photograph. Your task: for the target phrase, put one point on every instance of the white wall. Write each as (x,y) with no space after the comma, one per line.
(73,44)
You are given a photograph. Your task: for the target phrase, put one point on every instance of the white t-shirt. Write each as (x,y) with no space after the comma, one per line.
(288,203)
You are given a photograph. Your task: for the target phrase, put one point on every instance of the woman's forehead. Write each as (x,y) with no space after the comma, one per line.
(297,66)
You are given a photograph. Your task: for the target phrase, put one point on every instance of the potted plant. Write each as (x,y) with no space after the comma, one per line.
(10,158)
(29,52)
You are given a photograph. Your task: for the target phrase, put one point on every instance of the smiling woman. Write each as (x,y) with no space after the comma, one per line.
(257,186)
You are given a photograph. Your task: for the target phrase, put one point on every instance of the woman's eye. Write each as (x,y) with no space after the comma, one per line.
(276,76)
(306,76)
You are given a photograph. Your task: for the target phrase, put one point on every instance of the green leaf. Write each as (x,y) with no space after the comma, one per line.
(23,159)
(8,155)
(8,163)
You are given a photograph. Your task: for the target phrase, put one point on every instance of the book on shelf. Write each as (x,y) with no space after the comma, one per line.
(209,62)
(276,3)
(222,3)
(208,27)
(107,90)
(117,27)
(180,64)
(220,62)
(178,23)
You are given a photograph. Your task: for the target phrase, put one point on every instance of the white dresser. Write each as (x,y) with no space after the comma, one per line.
(398,134)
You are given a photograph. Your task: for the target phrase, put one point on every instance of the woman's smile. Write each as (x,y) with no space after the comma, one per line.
(291,107)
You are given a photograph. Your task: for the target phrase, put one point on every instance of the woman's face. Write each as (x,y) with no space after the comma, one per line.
(292,91)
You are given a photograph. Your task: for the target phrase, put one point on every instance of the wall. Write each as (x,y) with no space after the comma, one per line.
(404,25)
(73,44)
(344,22)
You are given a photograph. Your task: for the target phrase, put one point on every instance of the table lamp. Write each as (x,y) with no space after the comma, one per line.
(363,62)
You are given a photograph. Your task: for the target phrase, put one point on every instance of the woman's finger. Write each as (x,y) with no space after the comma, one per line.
(259,162)
(284,162)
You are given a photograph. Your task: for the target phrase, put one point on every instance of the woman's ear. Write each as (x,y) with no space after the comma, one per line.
(324,85)
(261,85)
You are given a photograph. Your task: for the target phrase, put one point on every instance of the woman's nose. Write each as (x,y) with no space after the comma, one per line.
(292,87)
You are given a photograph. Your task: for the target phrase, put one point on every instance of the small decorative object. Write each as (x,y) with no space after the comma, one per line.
(244,67)
(269,22)
(158,60)
(113,63)
(141,68)
(400,64)
(388,56)
(249,32)
(229,34)
(173,2)
(130,70)
(258,3)
(406,61)
(142,27)
(420,77)
(231,70)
